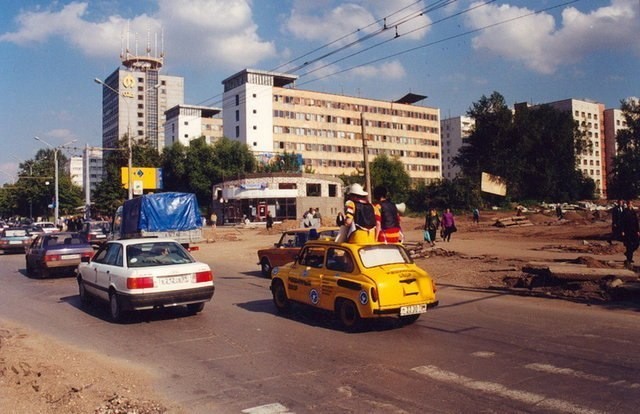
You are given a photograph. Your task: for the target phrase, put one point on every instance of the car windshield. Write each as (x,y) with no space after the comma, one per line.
(380,255)
(157,254)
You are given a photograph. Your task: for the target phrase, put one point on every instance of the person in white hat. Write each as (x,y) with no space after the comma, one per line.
(360,216)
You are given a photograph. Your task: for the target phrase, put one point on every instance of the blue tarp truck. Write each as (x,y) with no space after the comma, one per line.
(173,215)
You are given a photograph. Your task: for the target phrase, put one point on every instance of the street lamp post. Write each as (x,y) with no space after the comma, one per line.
(129,161)
(56,207)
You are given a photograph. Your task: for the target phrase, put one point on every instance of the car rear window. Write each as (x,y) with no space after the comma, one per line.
(15,233)
(380,255)
(157,254)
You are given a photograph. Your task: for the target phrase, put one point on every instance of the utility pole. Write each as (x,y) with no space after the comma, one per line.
(365,151)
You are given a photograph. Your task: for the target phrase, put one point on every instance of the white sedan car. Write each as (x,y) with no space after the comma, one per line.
(138,274)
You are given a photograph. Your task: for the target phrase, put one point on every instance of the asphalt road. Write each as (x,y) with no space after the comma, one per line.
(479,351)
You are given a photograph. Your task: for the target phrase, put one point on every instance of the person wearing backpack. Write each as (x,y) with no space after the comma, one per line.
(389,230)
(360,216)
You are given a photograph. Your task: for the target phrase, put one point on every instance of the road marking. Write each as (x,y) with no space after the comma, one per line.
(275,408)
(579,374)
(484,354)
(500,390)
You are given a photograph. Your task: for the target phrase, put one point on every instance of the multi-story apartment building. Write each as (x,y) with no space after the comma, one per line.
(184,123)
(590,117)
(326,129)
(613,122)
(77,168)
(135,98)
(454,132)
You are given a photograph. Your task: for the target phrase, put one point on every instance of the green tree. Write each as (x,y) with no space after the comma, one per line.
(390,173)
(197,167)
(625,178)
(534,151)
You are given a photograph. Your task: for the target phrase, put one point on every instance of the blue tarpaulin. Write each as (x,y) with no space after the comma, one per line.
(161,212)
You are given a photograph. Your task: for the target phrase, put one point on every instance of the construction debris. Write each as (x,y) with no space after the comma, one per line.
(519,221)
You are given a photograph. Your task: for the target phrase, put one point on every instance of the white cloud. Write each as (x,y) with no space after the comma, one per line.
(329,25)
(326,22)
(388,70)
(215,32)
(204,32)
(540,45)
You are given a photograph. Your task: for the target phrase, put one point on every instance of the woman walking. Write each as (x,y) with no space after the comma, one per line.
(448,225)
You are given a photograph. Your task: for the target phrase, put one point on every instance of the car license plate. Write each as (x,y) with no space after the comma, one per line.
(70,256)
(413,309)
(15,242)
(175,280)
(100,236)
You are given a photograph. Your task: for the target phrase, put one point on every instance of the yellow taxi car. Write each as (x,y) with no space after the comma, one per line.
(355,281)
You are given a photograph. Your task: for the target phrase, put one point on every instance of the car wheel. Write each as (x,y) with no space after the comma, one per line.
(348,314)
(409,319)
(265,267)
(115,307)
(82,292)
(195,307)
(280,298)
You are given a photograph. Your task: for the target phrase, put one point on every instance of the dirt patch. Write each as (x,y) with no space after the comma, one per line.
(41,375)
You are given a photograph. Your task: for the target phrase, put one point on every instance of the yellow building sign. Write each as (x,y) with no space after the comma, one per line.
(142,178)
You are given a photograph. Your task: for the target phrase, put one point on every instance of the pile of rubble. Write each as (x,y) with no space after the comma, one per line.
(584,278)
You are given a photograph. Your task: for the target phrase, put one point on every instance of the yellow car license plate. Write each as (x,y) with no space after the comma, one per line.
(413,309)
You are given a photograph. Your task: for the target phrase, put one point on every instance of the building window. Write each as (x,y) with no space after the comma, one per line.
(287,186)
(237,132)
(255,112)
(237,116)
(186,122)
(237,100)
(333,190)
(254,95)
(255,127)
(255,144)
(313,190)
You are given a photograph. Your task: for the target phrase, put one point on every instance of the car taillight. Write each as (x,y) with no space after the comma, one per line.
(51,257)
(139,282)
(204,276)
(87,254)
(374,294)
(433,286)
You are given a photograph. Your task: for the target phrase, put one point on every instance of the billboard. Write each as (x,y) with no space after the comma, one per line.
(493,184)
(142,179)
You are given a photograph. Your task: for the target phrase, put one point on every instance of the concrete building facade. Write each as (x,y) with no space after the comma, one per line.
(264,111)
(590,117)
(454,132)
(77,168)
(613,122)
(184,123)
(135,98)
(286,195)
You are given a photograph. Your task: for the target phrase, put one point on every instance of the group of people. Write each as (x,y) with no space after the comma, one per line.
(312,218)
(446,224)
(625,227)
(364,221)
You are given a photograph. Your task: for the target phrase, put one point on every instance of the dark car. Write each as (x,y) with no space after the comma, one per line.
(289,245)
(14,240)
(56,252)
(96,232)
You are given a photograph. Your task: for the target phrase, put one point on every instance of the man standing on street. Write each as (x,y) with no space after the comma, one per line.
(630,232)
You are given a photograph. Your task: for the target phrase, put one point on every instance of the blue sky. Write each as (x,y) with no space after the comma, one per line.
(452,51)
